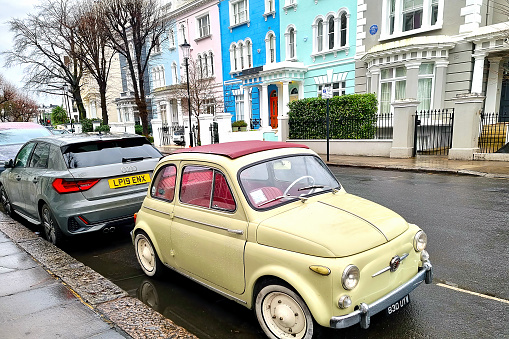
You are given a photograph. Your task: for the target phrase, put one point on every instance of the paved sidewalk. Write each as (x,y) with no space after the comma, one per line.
(45,293)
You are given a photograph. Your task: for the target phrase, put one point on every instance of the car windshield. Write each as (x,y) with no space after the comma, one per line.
(277,181)
(20,136)
(106,152)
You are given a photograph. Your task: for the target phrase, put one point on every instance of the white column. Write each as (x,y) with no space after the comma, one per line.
(286,98)
(301,90)
(403,130)
(465,131)
(495,76)
(205,122)
(283,115)
(478,73)
(264,107)
(247,108)
(156,126)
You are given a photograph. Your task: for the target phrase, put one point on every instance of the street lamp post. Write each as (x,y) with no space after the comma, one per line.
(66,88)
(186,50)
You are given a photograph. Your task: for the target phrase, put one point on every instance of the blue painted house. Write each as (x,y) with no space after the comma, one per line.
(250,40)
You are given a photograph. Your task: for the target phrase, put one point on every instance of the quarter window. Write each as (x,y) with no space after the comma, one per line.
(40,156)
(163,186)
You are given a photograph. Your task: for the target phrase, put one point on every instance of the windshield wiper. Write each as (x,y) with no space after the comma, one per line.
(310,187)
(302,199)
(134,159)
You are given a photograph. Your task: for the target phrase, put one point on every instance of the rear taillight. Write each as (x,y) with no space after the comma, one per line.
(69,186)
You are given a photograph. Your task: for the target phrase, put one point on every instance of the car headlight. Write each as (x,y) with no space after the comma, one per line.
(351,276)
(420,241)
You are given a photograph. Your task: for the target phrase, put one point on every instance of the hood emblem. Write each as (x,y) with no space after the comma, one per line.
(393,265)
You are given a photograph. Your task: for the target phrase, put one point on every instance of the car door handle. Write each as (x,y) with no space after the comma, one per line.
(18,177)
(35,180)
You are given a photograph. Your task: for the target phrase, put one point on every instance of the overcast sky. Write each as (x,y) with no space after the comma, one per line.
(16,9)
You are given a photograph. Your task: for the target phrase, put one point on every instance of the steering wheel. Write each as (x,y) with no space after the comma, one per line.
(297,180)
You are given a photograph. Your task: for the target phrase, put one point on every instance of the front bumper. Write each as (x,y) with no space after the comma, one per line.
(364,313)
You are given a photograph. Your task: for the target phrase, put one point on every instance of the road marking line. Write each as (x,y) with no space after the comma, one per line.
(473,293)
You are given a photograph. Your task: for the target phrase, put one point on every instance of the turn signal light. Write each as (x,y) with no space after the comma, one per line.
(68,186)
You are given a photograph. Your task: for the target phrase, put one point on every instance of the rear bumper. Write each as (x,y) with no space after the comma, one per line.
(364,312)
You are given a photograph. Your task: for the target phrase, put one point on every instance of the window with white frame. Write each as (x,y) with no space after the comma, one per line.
(330,34)
(241,55)
(270,47)
(239,107)
(290,37)
(404,17)
(211,63)
(238,12)
(249,54)
(174,74)
(171,38)
(233,58)
(200,65)
(343,27)
(205,66)
(290,2)
(270,6)
(319,36)
(157,46)
(210,106)
(337,88)
(392,86)
(158,77)
(203,26)
(425,85)
(182,33)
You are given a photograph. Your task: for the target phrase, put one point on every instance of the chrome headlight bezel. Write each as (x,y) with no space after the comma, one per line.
(351,277)
(420,241)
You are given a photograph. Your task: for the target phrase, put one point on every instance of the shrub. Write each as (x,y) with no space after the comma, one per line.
(350,117)
(59,116)
(102,128)
(239,123)
(86,125)
(138,129)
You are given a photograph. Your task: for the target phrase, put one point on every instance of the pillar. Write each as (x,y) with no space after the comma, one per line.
(205,122)
(403,128)
(283,128)
(157,124)
(247,107)
(264,107)
(494,85)
(465,131)
(412,79)
(440,75)
(477,77)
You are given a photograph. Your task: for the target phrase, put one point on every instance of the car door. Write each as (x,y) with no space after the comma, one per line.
(13,180)
(30,182)
(209,228)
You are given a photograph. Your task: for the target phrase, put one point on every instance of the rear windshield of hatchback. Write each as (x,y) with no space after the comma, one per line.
(107,152)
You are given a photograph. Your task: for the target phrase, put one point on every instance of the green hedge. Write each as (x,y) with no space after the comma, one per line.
(350,117)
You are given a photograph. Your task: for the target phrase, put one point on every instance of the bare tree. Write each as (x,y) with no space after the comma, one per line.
(205,94)
(45,43)
(135,29)
(20,108)
(94,51)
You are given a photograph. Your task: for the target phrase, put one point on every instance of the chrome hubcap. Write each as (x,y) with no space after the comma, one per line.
(284,316)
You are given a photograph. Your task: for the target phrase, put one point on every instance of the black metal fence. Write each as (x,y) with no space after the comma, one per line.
(171,134)
(377,127)
(493,133)
(433,131)
(255,123)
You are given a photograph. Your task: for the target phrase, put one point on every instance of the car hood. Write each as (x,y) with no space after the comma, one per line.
(331,225)
(8,152)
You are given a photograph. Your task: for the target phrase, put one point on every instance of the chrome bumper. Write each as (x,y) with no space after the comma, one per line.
(364,313)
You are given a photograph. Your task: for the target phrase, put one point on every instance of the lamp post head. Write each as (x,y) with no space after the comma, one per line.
(186,49)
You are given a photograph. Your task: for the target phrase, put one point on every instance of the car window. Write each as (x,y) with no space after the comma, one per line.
(106,152)
(206,187)
(40,156)
(163,186)
(23,155)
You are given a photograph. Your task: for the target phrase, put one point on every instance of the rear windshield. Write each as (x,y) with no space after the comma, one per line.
(106,152)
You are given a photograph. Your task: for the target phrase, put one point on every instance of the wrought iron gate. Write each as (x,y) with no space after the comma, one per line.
(433,132)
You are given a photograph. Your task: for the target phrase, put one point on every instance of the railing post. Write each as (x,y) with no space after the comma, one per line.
(465,131)
(404,125)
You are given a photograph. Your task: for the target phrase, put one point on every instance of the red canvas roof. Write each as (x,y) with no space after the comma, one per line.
(237,149)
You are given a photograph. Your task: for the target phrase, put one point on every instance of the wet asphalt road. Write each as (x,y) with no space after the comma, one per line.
(466,219)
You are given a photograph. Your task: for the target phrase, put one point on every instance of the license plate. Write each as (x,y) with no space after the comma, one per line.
(129,181)
(398,305)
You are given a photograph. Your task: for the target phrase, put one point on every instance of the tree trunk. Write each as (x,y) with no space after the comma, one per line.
(104,108)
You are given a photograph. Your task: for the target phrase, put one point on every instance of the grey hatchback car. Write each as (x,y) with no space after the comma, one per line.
(73,184)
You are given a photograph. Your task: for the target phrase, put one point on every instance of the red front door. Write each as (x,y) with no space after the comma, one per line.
(273,109)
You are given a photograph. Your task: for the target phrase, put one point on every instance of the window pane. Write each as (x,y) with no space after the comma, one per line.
(163,186)
(426,68)
(400,71)
(385,97)
(223,198)
(196,186)
(400,90)
(331,33)
(386,73)
(40,157)
(424,93)
(320,36)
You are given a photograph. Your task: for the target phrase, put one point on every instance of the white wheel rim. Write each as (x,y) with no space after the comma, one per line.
(146,254)
(283,315)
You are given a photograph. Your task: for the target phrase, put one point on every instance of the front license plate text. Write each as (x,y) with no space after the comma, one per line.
(398,305)
(129,181)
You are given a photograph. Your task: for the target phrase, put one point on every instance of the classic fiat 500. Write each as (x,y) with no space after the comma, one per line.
(268,225)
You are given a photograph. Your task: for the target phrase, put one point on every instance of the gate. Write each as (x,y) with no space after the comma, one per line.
(171,134)
(214,132)
(433,132)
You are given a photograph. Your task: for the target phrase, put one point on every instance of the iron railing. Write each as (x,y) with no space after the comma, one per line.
(377,127)
(433,131)
(171,134)
(493,133)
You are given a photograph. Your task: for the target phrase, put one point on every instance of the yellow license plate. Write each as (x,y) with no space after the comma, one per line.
(129,181)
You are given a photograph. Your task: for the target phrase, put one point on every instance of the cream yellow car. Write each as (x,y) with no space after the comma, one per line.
(267,225)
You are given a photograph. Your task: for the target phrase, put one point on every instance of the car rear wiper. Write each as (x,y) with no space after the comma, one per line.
(302,199)
(134,159)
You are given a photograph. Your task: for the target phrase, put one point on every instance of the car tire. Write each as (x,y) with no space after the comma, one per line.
(147,256)
(6,202)
(51,230)
(282,313)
